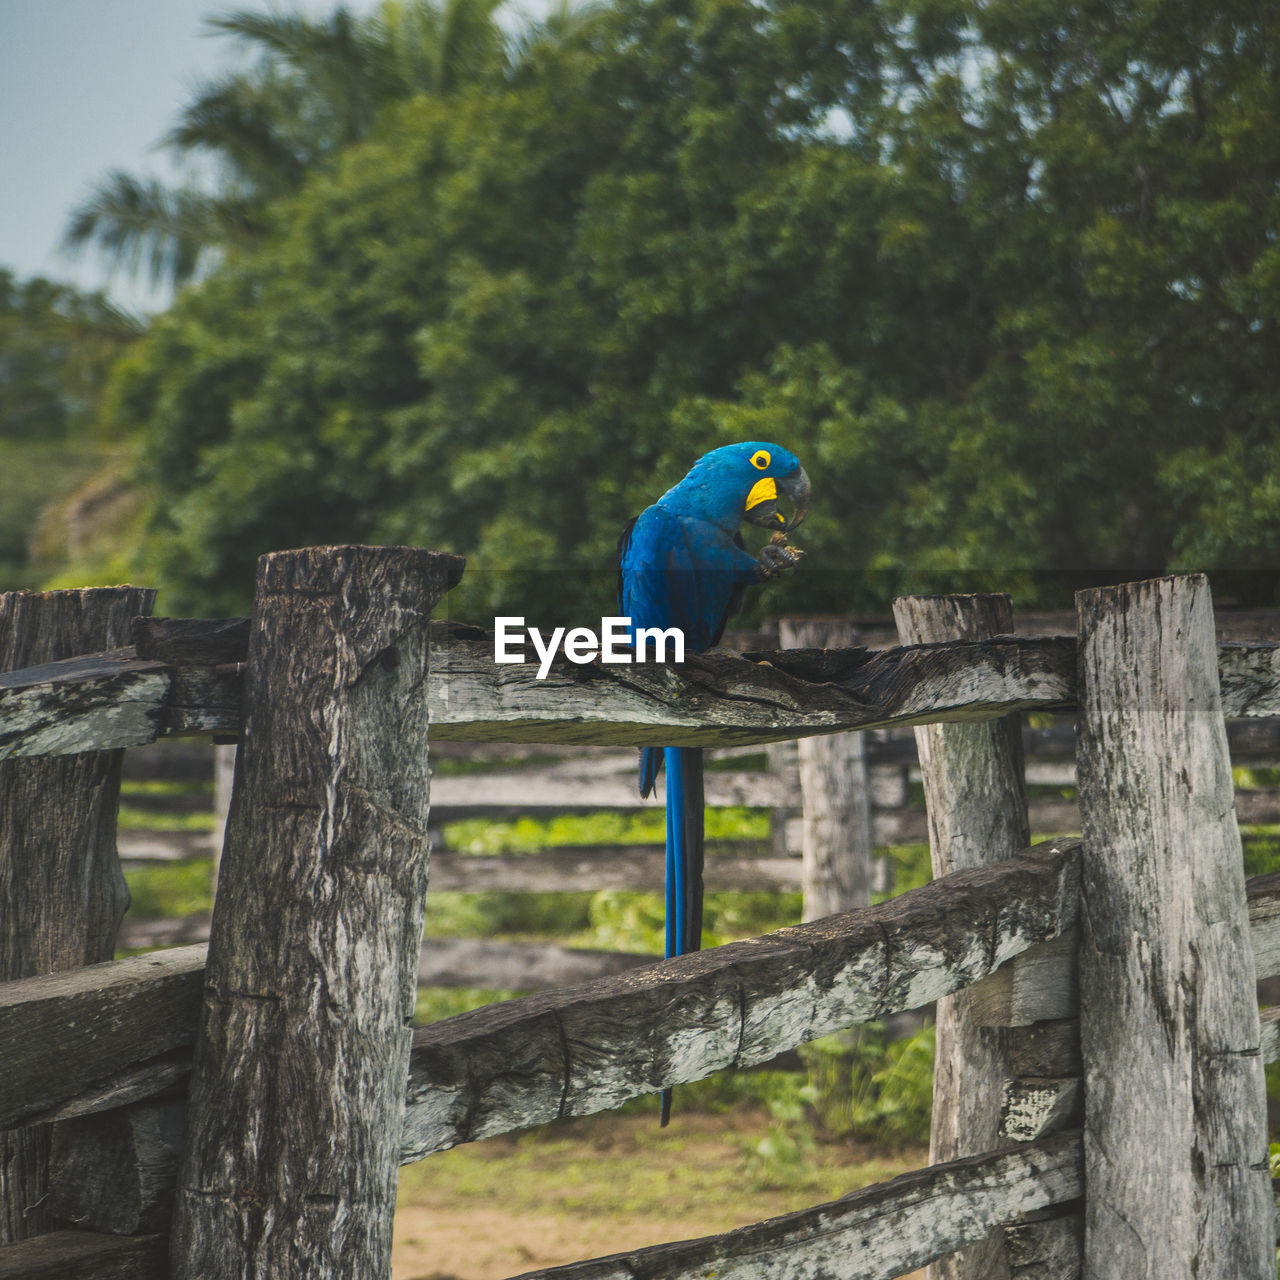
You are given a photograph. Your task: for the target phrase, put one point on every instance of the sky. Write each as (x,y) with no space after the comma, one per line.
(87,86)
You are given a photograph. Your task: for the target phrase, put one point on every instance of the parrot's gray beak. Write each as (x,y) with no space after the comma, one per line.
(796,488)
(762,501)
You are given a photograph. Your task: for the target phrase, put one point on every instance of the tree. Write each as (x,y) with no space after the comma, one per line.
(56,348)
(317,87)
(1003,278)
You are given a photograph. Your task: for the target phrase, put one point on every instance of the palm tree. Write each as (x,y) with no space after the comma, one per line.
(317,87)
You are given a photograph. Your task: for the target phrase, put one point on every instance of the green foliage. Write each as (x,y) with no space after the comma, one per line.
(1006,281)
(1261,850)
(434,1003)
(315,87)
(169,891)
(624,921)
(787,1148)
(507,915)
(912,867)
(865,1087)
(856,1087)
(56,348)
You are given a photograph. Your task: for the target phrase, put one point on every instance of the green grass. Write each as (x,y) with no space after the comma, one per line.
(146,818)
(164,819)
(603,1167)
(169,890)
(1261,850)
(529,835)
(435,1003)
(165,787)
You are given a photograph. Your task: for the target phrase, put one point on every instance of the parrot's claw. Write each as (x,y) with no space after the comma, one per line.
(775,556)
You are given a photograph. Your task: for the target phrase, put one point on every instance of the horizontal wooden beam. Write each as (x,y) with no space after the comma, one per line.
(574,1052)
(83,704)
(98,1033)
(134,696)
(86,1255)
(877,1233)
(65,1034)
(723,699)
(97,1038)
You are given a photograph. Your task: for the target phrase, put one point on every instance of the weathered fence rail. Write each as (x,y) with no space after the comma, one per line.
(306,1089)
(119,699)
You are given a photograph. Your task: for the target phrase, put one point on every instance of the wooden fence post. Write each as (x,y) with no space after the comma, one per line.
(977,811)
(62,892)
(297,1095)
(836,788)
(1175,1138)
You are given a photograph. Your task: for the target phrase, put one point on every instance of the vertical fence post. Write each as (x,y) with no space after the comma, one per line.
(297,1095)
(977,811)
(62,892)
(1175,1138)
(836,789)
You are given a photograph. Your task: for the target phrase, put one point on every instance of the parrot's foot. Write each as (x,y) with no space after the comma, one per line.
(775,556)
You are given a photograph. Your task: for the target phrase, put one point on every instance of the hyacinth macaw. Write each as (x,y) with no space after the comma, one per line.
(682,563)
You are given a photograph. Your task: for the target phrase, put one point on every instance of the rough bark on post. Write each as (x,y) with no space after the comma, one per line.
(977,811)
(62,892)
(836,790)
(1175,1115)
(297,1096)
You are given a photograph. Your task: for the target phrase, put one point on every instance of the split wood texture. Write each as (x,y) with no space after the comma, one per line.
(1175,1134)
(977,813)
(835,785)
(62,893)
(297,1095)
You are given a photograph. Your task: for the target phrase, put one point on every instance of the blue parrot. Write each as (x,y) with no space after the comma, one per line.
(682,563)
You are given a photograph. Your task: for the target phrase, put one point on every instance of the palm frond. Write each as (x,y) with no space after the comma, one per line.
(142,224)
(251,125)
(561,21)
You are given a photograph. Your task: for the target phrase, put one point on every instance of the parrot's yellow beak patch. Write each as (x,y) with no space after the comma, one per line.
(762,491)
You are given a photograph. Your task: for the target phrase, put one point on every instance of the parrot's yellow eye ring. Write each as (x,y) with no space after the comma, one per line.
(760,459)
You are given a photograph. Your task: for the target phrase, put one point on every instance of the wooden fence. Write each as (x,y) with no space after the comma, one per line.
(834,805)
(242,1112)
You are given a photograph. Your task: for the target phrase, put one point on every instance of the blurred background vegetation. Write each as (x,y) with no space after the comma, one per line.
(1004,274)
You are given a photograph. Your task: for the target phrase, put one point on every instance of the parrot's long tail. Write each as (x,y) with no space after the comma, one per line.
(685,812)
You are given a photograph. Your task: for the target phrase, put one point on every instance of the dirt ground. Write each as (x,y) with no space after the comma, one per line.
(501,1208)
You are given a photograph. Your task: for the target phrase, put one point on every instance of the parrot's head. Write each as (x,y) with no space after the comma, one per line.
(747,482)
